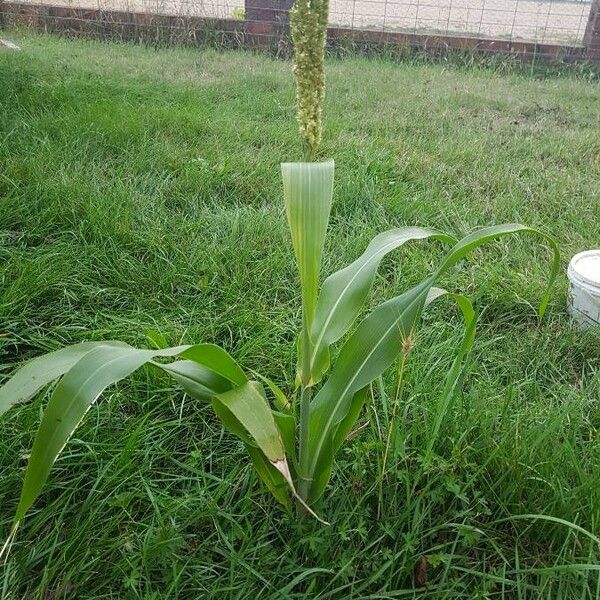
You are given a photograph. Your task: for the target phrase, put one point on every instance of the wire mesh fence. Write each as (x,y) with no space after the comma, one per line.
(569,23)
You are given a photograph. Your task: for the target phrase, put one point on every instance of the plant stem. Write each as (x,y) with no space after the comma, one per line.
(304,419)
(391,427)
(303,481)
(309,153)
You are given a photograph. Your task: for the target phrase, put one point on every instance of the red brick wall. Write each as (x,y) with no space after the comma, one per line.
(265,24)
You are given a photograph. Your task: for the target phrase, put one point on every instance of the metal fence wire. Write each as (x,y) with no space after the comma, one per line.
(568,23)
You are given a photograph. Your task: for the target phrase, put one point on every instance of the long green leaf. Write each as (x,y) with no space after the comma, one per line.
(218,360)
(322,471)
(281,400)
(286,423)
(208,370)
(99,367)
(197,381)
(455,374)
(200,383)
(231,423)
(271,477)
(369,351)
(487,234)
(373,347)
(240,409)
(249,405)
(71,399)
(307,190)
(344,292)
(41,371)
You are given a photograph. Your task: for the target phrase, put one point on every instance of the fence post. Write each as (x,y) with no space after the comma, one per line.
(591,37)
(267,21)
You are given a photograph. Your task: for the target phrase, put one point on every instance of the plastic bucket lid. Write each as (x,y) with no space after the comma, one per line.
(584,268)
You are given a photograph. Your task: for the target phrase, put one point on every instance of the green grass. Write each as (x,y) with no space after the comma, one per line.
(140,189)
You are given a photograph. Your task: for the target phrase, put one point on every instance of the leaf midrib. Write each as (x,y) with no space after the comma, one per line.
(336,304)
(321,439)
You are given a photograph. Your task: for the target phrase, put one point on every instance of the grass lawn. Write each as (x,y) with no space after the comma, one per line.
(139,189)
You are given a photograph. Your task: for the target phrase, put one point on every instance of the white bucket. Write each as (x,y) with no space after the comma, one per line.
(584,288)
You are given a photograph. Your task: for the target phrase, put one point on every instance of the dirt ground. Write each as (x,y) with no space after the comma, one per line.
(531,20)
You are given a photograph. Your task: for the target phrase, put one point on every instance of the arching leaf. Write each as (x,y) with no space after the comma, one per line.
(344,293)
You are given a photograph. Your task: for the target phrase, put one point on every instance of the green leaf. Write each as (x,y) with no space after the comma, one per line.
(274,481)
(231,422)
(248,404)
(373,347)
(75,393)
(344,293)
(244,412)
(369,351)
(455,374)
(156,338)
(307,190)
(218,360)
(347,423)
(41,371)
(250,407)
(207,371)
(286,423)
(281,400)
(241,410)
(324,467)
(196,380)
(487,234)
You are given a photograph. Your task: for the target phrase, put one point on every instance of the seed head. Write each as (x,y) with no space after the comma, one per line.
(407,344)
(308,24)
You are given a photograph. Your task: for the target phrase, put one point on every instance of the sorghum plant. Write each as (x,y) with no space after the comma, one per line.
(209,374)
(291,443)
